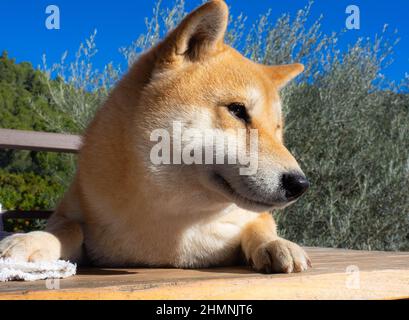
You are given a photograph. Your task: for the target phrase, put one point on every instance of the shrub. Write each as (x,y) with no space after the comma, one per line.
(27,191)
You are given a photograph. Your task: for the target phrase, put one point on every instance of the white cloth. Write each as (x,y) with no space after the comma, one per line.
(31,271)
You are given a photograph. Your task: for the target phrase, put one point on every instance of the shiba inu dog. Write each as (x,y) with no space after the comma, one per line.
(123,209)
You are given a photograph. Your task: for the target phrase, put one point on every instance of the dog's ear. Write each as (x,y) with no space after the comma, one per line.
(282,74)
(199,35)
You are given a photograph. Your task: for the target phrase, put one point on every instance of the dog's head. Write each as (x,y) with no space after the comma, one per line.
(199,84)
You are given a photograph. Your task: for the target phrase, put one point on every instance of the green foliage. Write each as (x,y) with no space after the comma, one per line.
(28,191)
(354,150)
(76,88)
(21,89)
(29,180)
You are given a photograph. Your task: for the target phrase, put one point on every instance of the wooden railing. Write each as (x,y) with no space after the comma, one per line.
(36,141)
(39,141)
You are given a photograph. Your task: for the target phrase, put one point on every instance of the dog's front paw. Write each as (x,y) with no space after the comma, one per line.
(31,247)
(280,256)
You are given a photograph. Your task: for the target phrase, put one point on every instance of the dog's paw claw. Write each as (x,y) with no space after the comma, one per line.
(280,256)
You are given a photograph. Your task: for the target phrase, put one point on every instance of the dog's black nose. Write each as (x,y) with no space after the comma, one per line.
(294,185)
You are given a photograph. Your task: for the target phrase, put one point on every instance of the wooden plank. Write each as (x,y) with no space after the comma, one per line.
(39,141)
(15,214)
(336,274)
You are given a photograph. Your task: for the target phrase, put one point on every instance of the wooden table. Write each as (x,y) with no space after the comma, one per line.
(336,274)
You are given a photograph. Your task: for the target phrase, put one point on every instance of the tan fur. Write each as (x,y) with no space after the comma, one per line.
(125,211)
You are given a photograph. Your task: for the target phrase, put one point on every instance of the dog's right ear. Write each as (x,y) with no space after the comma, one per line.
(199,35)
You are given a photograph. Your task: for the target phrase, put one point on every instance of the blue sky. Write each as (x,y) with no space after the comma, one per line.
(24,35)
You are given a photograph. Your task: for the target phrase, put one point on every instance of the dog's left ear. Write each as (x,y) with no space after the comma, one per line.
(282,74)
(199,35)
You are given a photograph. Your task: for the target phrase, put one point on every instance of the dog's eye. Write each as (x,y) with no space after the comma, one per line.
(239,111)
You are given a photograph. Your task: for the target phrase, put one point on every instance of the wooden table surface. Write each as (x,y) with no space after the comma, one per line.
(336,274)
